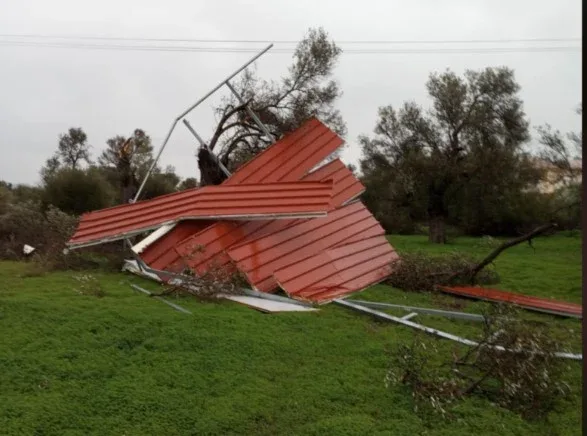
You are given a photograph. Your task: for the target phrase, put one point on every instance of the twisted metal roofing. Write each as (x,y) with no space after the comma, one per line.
(237,202)
(259,258)
(161,253)
(291,157)
(233,226)
(338,271)
(207,248)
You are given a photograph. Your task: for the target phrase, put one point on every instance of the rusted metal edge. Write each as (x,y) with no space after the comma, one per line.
(354,199)
(436,332)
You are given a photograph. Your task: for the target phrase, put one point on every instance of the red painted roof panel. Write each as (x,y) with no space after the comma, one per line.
(525,301)
(275,200)
(161,253)
(291,157)
(259,258)
(222,235)
(338,271)
(288,159)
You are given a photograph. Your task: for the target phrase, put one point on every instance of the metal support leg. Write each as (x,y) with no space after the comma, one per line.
(192,107)
(252,114)
(204,145)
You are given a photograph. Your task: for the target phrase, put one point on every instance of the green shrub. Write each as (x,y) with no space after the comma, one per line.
(420,271)
(525,376)
(78,191)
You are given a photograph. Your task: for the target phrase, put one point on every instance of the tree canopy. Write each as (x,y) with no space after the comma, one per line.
(421,161)
(306,90)
(459,162)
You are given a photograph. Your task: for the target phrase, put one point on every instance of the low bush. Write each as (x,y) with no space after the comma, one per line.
(89,285)
(48,231)
(525,376)
(420,271)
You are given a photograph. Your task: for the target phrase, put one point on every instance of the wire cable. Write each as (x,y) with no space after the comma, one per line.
(209,49)
(263,41)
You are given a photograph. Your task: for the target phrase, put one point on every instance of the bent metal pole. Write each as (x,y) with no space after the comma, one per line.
(188,110)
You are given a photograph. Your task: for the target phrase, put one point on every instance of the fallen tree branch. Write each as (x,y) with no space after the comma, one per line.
(472,273)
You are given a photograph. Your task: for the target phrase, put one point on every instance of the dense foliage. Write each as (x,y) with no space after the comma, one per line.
(461,162)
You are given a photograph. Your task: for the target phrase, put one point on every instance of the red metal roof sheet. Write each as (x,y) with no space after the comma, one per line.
(291,157)
(287,160)
(525,301)
(254,201)
(161,253)
(259,258)
(222,235)
(338,271)
(346,186)
(206,249)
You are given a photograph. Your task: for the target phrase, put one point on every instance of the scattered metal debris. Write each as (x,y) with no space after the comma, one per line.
(273,297)
(287,182)
(528,302)
(425,310)
(268,306)
(433,331)
(283,219)
(132,267)
(169,303)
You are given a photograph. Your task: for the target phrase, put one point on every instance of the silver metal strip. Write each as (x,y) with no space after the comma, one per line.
(436,332)
(169,303)
(188,110)
(252,114)
(204,145)
(445,313)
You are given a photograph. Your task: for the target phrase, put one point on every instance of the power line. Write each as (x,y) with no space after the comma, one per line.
(208,49)
(263,41)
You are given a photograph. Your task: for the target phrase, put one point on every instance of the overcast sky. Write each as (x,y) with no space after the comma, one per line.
(44,91)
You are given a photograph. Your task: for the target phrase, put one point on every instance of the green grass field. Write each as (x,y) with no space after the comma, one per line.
(126,364)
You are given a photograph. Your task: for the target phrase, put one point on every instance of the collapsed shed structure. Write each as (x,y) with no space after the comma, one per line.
(277,220)
(290,219)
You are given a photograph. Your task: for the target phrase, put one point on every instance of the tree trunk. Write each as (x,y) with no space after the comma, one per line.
(127,181)
(210,173)
(437,230)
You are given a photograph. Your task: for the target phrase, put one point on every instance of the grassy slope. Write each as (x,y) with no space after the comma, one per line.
(125,364)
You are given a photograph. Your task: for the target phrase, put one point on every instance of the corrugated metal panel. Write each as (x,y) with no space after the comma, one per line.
(208,247)
(525,301)
(338,271)
(291,157)
(346,186)
(255,201)
(161,253)
(259,258)
(206,250)
(287,160)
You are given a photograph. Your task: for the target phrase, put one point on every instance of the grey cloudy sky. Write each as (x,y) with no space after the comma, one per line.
(44,91)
